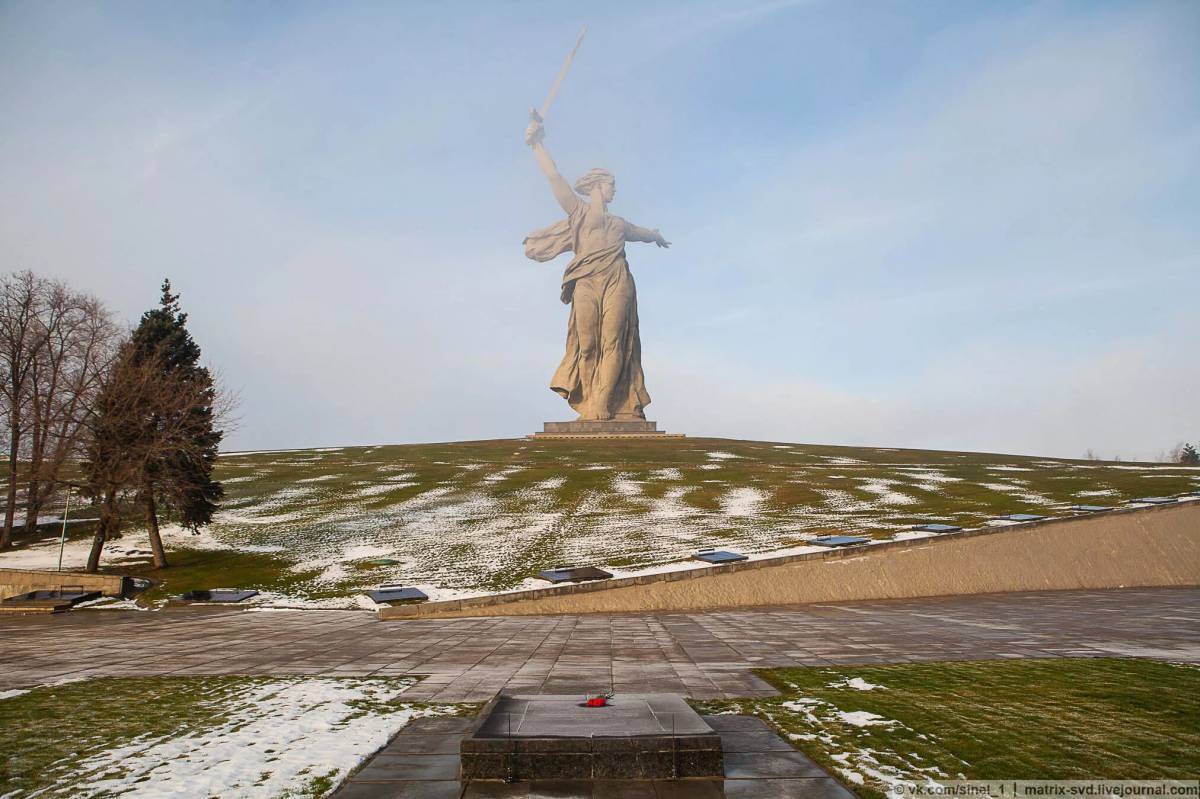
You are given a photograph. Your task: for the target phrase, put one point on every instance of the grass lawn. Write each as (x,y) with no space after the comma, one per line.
(197,736)
(1002,719)
(488,515)
(215,568)
(478,516)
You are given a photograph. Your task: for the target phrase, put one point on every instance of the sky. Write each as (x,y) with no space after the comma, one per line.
(936,224)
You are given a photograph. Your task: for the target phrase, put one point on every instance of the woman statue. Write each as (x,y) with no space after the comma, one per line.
(601,374)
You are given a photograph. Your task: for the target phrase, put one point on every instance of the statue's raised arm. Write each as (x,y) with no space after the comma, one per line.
(535,136)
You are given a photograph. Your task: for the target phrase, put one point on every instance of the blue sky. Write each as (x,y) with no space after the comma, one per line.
(926,224)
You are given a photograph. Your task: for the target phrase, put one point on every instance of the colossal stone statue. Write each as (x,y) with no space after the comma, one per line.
(600,375)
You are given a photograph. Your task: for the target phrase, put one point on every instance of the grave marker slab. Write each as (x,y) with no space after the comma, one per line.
(574,574)
(838,540)
(217,595)
(397,593)
(937,528)
(719,556)
(1023,517)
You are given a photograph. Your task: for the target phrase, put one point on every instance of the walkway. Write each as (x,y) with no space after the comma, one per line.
(703,655)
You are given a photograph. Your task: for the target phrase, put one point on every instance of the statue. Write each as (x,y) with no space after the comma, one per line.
(601,373)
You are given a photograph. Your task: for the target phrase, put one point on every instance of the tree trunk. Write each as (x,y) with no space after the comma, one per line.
(37,443)
(156,544)
(10,508)
(108,518)
(93,562)
(33,507)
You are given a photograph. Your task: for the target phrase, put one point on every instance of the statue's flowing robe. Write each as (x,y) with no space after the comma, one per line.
(602,333)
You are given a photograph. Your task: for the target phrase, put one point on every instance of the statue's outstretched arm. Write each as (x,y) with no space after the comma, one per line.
(638,233)
(535,135)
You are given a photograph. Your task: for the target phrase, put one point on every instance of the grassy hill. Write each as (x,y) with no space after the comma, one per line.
(488,515)
(480,516)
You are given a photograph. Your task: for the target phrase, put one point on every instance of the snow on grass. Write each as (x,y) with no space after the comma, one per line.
(857,683)
(625,486)
(481,517)
(671,505)
(381,489)
(929,475)
(862,718)
(742,502)
(321,478)
(136,543)
(503,474)
(1020,492)
(883,489)
(908,535)
(259,738)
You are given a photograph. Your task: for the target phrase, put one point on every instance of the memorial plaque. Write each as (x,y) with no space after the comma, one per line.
(217,595)
(838,540)
(574,574)
(937,528)
(397,593)
(719,556)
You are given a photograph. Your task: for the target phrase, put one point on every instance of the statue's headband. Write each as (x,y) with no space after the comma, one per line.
(586,183)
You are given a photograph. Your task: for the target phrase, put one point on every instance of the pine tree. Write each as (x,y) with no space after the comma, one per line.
(180,478)
(1189,455)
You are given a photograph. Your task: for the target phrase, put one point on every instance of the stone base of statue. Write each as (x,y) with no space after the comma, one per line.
(612,428)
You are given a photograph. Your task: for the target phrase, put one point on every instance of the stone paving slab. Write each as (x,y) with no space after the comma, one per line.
(697,654)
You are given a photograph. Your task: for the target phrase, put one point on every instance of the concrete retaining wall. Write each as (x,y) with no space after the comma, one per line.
(1154,546)
(20,581)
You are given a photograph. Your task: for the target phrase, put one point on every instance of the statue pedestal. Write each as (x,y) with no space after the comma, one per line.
(613,428)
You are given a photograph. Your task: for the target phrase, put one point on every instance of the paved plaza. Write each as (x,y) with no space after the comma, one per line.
(702,655)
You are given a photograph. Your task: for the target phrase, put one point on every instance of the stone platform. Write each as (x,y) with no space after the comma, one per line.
(423,761)
(612,428)
(635,736)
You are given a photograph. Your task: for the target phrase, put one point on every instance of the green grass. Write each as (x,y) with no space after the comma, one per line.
(66,740)
(487,515)
(991,720)
(479,516)
(192,569)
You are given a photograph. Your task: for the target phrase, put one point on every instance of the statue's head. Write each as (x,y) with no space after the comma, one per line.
(597,178)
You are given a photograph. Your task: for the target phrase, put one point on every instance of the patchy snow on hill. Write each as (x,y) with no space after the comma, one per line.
(482,517)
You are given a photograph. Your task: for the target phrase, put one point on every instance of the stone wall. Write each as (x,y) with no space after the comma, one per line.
(20,581)
(1155,546)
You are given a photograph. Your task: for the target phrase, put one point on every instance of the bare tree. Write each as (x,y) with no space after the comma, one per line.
(77,340)
(54,344)
(21,297)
